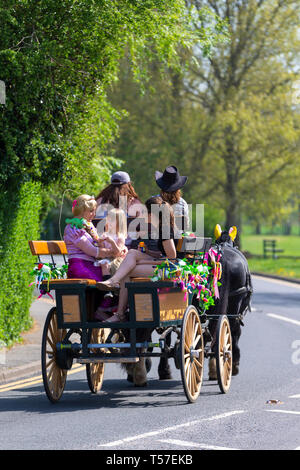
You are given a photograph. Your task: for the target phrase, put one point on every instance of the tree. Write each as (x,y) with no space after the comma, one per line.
(57,59)
(249,127)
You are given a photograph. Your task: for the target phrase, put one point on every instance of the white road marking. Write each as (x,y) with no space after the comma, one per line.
(294,396)
(280,317)
(284,411)
(170,428)
(199,445)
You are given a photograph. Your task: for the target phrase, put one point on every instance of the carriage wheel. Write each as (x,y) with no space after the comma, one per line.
(223,353)
(191,354)
(54,377)
(95,370)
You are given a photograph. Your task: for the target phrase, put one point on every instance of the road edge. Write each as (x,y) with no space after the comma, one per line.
(20,372)
(292,280)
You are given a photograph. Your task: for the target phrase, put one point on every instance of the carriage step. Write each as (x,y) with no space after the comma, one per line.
(107,359)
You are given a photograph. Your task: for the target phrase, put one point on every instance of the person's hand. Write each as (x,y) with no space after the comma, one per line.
(124,252)
(108,238)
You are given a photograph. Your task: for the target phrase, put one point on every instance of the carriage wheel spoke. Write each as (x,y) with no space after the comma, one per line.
(191,353)
(196,372)
(195,342)
(187,363)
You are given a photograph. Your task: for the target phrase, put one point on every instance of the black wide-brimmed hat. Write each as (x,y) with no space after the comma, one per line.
(170,180)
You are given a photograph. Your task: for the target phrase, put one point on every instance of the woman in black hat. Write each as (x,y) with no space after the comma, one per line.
(170,183)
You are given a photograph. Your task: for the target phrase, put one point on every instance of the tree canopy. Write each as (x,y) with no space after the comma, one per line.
(57,59)
(230,122)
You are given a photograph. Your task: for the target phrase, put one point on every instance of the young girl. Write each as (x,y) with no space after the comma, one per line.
(82,240)
(113,239)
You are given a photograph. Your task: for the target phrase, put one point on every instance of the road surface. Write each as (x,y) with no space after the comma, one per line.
(159,416)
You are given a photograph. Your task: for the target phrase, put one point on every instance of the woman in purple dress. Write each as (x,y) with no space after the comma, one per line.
(82,243)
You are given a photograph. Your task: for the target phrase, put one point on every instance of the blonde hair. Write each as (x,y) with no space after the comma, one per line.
(82,203)
(119,219)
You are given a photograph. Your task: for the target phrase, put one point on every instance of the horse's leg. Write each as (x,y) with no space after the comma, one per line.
(236,331)
(164,370)
(140,373)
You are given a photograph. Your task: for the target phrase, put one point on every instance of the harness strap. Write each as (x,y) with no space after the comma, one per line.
(239,291)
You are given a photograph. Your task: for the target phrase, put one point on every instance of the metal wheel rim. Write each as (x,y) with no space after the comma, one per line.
(54,378)
(224,355)
(192,354)
(95,370)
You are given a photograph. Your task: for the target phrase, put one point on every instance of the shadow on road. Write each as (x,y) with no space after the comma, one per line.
(114,394)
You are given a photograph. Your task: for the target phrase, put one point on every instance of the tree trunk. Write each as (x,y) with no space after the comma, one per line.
(233,215)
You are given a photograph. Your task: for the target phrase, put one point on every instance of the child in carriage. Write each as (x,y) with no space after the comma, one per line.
(85,246)
(113,239)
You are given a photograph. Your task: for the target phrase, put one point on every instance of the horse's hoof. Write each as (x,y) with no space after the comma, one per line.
(141,385)
(212,369)
(235,368)
(165,375)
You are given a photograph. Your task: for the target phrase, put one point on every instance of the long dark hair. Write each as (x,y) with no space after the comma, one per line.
(166,218)
(112,193)
(171,198)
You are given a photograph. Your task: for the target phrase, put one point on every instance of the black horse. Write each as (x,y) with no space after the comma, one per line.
(234,293)
(234,299)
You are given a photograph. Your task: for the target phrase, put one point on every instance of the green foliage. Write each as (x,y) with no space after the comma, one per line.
(19,222)
(229,122)
(57,58)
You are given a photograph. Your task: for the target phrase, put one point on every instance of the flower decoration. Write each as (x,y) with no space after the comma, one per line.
(197,278)
(46,272)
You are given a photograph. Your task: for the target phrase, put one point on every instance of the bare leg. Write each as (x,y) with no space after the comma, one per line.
(133,258)
(140,270)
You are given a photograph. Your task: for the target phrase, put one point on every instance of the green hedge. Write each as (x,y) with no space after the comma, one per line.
(19,222)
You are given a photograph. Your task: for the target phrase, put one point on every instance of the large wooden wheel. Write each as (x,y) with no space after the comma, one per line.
(54,377)
(95,370)
(191,354)
(223,353)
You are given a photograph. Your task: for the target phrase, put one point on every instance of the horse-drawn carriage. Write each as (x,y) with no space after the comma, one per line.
(71,333)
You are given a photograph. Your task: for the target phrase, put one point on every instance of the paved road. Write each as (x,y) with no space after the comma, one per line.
(159,417)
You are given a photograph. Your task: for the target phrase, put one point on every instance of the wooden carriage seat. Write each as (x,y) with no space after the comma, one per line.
(51,248)
(140,279)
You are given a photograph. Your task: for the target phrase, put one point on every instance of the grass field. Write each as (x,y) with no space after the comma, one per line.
(286,267)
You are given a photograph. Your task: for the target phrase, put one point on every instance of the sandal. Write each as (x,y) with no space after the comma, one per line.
(116,318)
(108,286)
